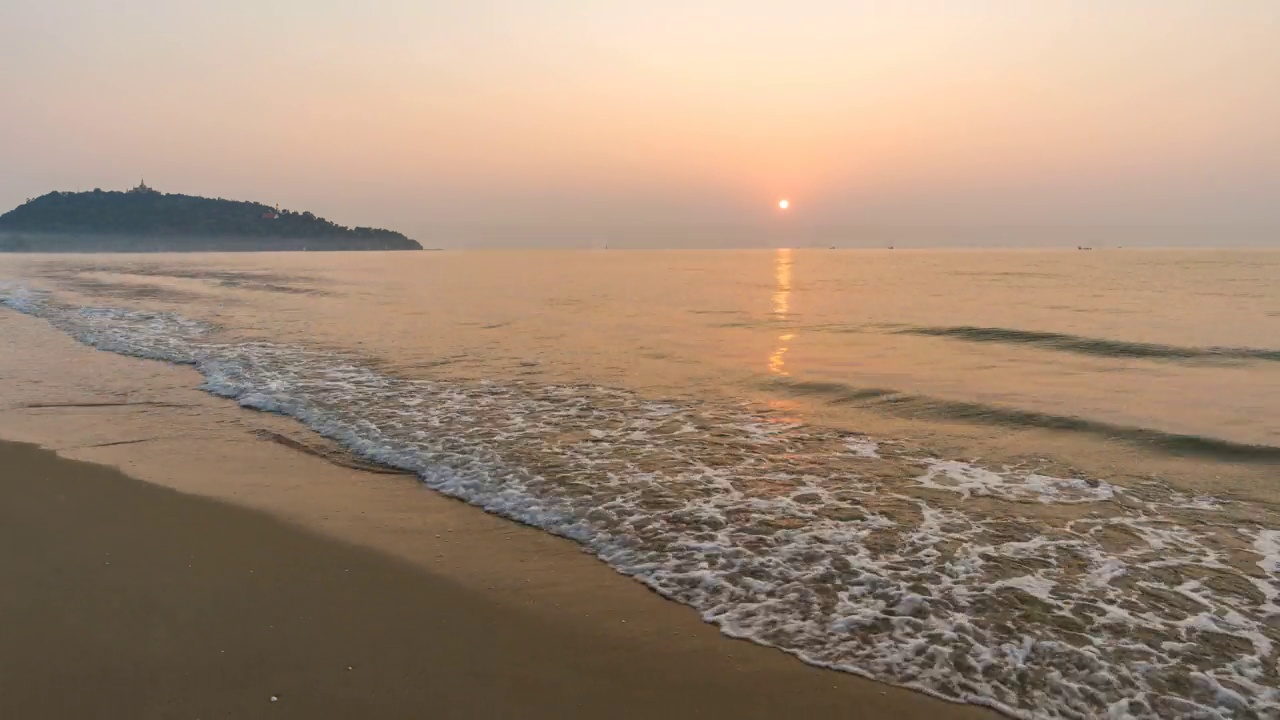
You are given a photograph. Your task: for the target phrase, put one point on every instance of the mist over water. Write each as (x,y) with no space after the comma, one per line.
(1036,481)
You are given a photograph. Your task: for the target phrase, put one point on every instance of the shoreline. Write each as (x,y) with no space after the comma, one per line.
(149,420)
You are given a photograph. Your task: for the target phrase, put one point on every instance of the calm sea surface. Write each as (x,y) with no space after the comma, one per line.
(1038,480)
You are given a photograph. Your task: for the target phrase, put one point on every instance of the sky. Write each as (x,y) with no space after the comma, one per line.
(531,121)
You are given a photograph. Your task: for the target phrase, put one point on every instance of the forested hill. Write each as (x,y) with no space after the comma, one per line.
(144,219)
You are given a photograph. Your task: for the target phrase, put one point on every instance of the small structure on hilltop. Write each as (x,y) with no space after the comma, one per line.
(142,189)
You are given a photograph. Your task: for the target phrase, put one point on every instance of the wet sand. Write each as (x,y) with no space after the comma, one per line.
(440,609)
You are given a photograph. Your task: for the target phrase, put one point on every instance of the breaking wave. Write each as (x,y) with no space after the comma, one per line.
(1041,596)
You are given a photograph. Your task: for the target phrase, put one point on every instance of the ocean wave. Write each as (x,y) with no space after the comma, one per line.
(910,406)
(1040,596)
(1092,346)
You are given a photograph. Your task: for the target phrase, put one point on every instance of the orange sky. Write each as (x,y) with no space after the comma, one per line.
(418,115)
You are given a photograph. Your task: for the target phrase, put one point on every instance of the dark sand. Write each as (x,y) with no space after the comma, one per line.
(121,599)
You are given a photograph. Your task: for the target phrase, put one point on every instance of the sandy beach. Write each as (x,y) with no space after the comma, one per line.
(125,599)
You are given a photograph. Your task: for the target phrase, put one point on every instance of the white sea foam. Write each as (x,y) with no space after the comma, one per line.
(1079,599)
(21,299)
(1267,543)
(971,480)
(863,447)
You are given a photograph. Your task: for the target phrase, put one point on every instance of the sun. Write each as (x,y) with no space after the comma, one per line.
(784,204)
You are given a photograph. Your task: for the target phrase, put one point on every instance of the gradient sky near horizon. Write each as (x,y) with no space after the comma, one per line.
(416,114)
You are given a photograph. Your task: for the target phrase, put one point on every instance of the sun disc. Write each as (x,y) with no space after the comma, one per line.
(784,204)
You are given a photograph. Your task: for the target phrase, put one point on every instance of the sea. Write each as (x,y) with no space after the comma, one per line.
(1044,481)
